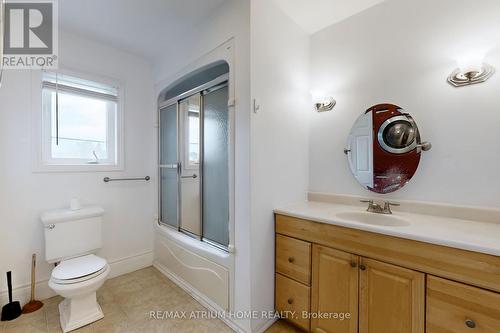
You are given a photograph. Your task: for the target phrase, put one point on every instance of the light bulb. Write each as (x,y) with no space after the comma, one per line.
(470,62)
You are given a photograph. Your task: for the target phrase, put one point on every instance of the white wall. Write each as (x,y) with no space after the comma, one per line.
(279,135)
(401,52)
(232,19)
(129,206)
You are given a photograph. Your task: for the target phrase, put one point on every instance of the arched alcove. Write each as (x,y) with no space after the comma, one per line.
(194,79)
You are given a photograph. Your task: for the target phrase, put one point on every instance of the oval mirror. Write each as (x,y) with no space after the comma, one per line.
(383,148)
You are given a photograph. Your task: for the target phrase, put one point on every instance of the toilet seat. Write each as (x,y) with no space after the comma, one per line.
(78,269)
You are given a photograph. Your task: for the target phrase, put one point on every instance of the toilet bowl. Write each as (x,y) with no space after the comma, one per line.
(77,280)
(71,238)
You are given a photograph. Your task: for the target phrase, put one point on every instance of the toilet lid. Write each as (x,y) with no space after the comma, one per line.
(78,267)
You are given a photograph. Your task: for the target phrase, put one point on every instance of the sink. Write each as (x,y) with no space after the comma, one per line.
(373,219)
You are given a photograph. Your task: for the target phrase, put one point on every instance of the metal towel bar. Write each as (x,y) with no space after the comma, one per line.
(107,179)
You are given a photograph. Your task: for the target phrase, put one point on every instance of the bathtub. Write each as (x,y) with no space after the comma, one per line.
(201,269)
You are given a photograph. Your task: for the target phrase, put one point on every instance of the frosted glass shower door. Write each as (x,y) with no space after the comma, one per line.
(189,152)
(215,166)
(194,163)
(169,177)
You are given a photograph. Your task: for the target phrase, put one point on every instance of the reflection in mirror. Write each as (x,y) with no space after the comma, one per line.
(383,148)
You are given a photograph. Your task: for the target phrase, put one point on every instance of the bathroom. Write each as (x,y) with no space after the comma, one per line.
(265,231)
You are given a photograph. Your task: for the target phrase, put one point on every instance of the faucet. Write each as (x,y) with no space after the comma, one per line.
(376,208)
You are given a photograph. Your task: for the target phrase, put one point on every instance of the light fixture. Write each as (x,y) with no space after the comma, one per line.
(325,104)
(471,70)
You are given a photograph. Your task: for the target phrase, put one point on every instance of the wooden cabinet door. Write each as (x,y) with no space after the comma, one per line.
(392,299)
(334,290)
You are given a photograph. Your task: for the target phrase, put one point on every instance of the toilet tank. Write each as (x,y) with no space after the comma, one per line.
(71,233)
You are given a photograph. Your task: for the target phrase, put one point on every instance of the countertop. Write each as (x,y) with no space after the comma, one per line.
(477,236)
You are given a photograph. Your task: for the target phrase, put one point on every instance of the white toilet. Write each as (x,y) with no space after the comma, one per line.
(71,238)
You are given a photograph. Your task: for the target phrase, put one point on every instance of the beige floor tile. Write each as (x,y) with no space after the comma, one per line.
(221,327)
(155,326)
(127,302)
(105,296)
(196,325)
(282,326)
(53,323)
(125,290)
(120,280)
(51,306)
(115,322)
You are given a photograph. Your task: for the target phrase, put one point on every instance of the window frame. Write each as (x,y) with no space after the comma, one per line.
(42,159)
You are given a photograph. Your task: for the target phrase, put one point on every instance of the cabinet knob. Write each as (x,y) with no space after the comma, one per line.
(362,267)
(470,323)
(290,301)
(291,259)
(353,264)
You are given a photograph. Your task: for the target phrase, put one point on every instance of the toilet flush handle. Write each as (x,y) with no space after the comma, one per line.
(50,226)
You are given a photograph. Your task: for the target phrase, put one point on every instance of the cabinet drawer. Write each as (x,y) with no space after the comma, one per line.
(459,308)
(293,296)
(293,258)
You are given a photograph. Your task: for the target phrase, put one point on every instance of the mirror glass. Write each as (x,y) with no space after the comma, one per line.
(383,148)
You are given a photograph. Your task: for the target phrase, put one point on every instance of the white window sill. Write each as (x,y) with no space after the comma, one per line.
(77,168)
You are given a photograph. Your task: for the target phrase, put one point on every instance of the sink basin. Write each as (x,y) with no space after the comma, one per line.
(373,219)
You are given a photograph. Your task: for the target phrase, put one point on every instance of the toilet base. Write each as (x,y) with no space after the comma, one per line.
(79,311)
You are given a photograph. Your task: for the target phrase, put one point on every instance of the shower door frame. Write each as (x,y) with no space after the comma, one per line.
(213,85)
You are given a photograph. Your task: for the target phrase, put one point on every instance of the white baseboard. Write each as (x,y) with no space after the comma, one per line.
(130,264)
(200,297)
(118,267)
(265,326)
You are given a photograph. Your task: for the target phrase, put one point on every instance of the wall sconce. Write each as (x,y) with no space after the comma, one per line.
(470,72)
(325,104)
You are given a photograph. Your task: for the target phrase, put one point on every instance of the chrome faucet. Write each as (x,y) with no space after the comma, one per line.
(376,208)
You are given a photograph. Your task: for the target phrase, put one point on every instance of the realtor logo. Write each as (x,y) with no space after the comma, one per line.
(30,39)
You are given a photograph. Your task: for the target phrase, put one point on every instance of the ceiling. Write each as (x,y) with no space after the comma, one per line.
(314,15)
(147,28)
(153,28)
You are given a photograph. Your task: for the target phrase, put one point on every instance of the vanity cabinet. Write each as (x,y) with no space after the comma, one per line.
(387,284)
(335,288)
(379,297)
(391,298)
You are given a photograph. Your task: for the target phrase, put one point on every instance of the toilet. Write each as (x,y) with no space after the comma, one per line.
(72,236)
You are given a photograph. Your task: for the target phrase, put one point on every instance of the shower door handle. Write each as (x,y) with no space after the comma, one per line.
(194,176)
(169,166)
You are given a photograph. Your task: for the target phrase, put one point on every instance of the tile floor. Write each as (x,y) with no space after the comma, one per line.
(126,302)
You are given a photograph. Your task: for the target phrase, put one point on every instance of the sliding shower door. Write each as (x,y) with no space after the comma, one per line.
(216,166)
(194,164)
(169,179)
(189,146)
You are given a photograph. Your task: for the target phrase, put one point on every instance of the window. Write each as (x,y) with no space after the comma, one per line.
(190,123)
(194,138)
(79,121)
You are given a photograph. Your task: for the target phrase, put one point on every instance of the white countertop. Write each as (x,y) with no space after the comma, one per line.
(483,237)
